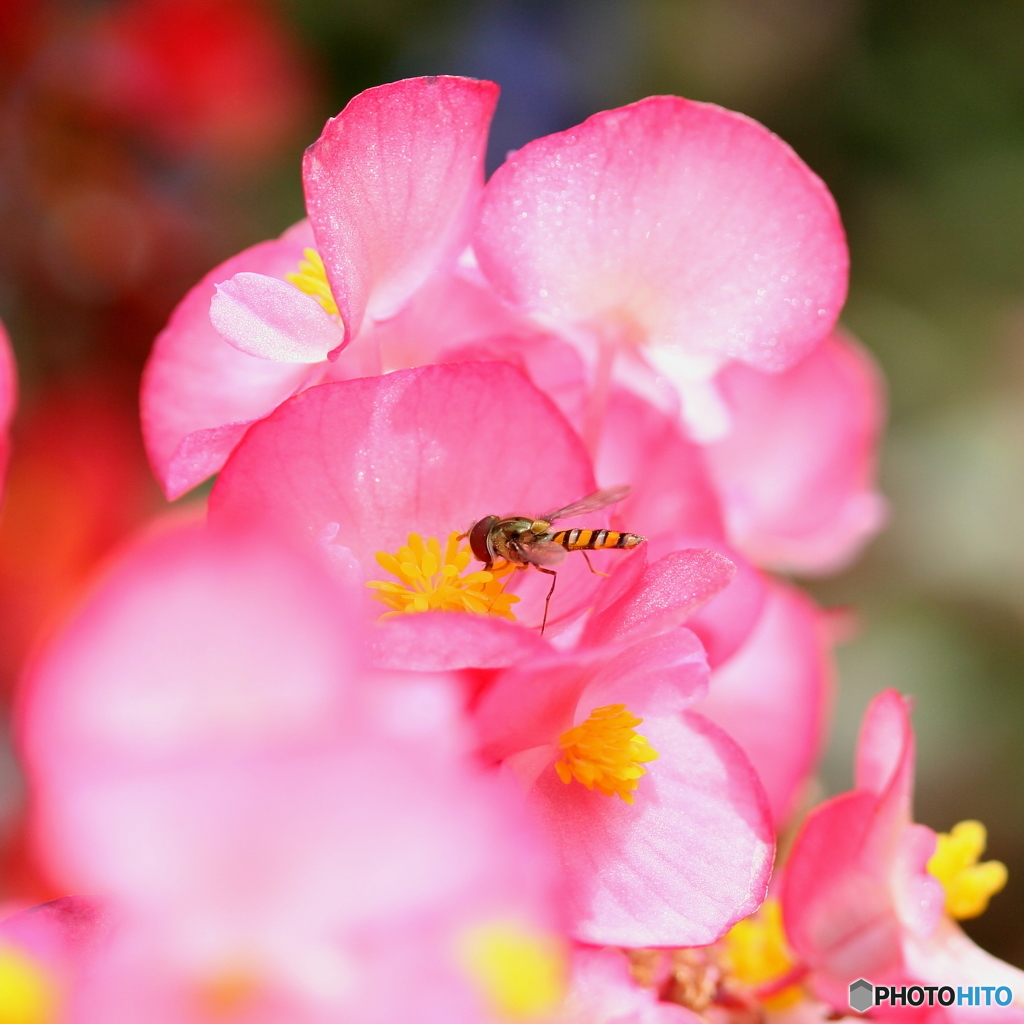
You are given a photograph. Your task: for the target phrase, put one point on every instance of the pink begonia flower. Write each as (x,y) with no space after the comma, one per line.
(774,696)
(678,229)
(796,472)
(392,187)
(279,833)
(688,848)
(354,467)
(858,895)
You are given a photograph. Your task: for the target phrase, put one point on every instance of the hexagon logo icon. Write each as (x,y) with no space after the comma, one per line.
(861,995)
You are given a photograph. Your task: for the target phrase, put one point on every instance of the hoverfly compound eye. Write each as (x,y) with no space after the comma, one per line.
(478,539)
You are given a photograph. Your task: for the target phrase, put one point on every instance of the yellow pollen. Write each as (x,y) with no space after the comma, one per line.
(434,581)
(311,278)
(605,753)
(519,971)
(758,954)
(969,885)
(27,995)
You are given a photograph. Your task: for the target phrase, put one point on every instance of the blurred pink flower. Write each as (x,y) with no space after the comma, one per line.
(774,696)
(859,894)
(278,832)
(796,473)
(45,953)
(217,78)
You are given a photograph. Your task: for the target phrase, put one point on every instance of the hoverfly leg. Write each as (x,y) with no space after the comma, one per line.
(596,572)
(547,600)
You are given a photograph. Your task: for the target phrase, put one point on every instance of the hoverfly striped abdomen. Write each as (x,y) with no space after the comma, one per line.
(594,540)
(526,541)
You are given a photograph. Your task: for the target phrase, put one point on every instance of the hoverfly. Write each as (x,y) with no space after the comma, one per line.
(525,541)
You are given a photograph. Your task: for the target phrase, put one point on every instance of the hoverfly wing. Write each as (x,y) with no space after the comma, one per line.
(591,503)
(538,551)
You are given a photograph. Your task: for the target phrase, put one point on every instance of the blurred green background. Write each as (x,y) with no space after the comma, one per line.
(911,110)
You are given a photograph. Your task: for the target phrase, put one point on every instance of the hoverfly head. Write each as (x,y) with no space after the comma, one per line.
(478,535)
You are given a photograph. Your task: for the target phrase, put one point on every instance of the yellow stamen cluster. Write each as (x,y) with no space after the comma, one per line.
(432,580)
(605,753)
(969,885)
(758,954)
(519,971)
(27,995)
(311,278)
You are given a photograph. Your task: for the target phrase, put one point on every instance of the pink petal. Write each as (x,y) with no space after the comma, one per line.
(271,319)
(949,957)
(452,309)
(919,897)
(262,660)
(885,747)
(198,392)
(672,491)
(549,362)
(680,223)
(200,455)
(439,642)
(683,863)
(429,450)
(725,622)
(532,703)
(773,697)
(857,864)
(391,187)
(836,899)
(797,471)
(658,676)
(663,595)
(540,697)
